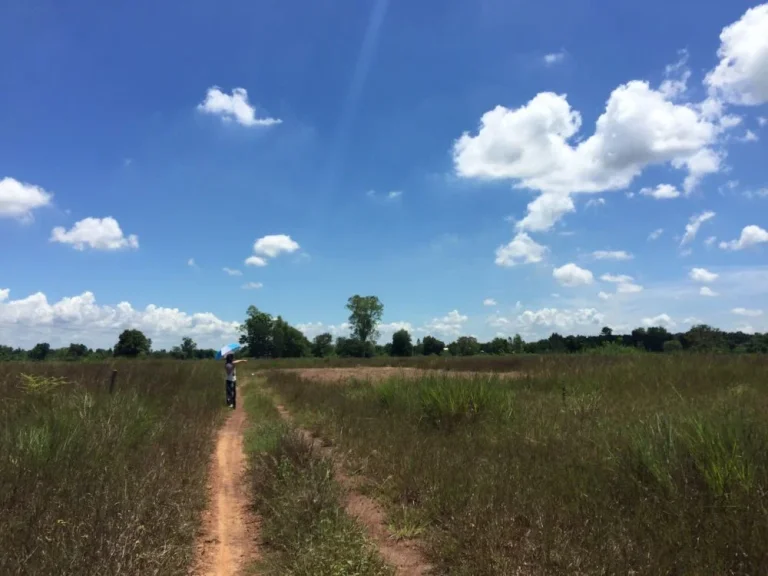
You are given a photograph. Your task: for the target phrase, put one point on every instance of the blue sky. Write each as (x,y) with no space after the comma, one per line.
(483,167)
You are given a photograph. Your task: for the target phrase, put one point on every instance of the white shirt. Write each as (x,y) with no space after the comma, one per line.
(231,373)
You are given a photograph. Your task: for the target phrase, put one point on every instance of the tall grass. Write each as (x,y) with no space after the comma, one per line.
(93,483)
(641,464)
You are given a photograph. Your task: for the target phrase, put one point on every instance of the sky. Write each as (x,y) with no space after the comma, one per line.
(485,168)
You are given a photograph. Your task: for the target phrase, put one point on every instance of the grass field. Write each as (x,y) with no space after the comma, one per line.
(93,483)
(580,465)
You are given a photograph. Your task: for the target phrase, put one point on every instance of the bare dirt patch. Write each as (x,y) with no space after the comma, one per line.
(405,556)
(229,538)
(378,374)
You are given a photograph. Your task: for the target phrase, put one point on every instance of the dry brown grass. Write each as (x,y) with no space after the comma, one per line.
(380,374)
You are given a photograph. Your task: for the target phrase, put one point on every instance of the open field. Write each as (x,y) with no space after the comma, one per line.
(584,465)
(93,483)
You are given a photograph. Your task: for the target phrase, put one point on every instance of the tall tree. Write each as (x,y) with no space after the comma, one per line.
(365,315)
(188,347)
(401,344)
(132,343)
(256,333)
(287,341)
(40,351)
(76,351)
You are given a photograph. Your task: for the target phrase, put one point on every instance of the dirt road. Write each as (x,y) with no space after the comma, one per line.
(229,539)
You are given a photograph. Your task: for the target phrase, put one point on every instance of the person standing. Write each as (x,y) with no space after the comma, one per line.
(231,369)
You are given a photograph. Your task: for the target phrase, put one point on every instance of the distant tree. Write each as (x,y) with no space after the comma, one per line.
(432,345)
(40,351)
(464,346)
(672,346)
(365,313)
(518,346)
(77,351)
(418,349)
(132,343)
(287,341)
(704,338)
(352,347)
(497,346)
(322,345)
(401,343)
(188,347)
(256,333)
(606,332)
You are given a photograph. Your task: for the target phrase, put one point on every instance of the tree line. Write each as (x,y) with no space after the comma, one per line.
(265,336)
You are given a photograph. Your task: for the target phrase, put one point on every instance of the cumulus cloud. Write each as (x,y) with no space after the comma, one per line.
(707,291)
(273,245)
(662,320)
(616,278)
(741,76)
(661,192)
(18,199)
(95,233)
(611,255)
(628,288)
(702,275)
(603,295)
(694,223)
(560,319)
(750,236)
(448,326)
(747,312)
(531,146)
(26,321)
(489,302)
(312,329)
(255,261)
(572,275)
(233,106)
(521,250)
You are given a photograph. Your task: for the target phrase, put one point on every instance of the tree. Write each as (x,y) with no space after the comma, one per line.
(77,351)
(256,333)
(401,343)
(497,346)
(703,338)
(132,343)
(40,351)
(606,332)
(365,315)
(287,341)
(188,348)
(432,345)
(672,346)
(322,345)
(464,346)
(518,346)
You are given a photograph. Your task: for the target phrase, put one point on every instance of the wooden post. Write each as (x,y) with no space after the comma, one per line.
(112,381)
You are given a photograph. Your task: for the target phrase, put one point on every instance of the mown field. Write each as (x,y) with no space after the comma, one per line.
(100,483)
(650,464)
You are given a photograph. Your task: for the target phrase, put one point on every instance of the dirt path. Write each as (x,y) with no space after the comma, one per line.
(405,556)
(228,542)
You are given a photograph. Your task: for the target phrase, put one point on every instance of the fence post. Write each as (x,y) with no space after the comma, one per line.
(112,381)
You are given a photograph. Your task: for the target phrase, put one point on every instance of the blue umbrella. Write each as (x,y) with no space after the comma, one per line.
(228,349)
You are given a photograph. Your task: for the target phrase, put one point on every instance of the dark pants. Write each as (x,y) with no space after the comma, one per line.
(231,393)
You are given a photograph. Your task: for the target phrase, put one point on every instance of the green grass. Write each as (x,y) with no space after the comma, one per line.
(640,464)
(93,483)
(304,528)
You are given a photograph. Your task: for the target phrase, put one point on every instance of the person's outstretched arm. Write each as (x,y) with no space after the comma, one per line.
(239,361)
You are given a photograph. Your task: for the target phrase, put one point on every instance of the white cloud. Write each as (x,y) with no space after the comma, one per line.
(761,193)
(741,77)
(571,275)
(96,233)
(707,291)
(531,145)
(750,236)
(661,320)
(4,293)
(676,75)
(255,261)
(312,329)
(233,107)
(521,250)
(252,285)
(18,199)
(694,223)
(489,302)
(711,240)
(448,326)
(702,275)
(390,196)
(762,121)
(618,279)
(628,288)
(394,194)
(560,319)
(80,319)
(554,58)
(232,272)
(603,295)
(191,263)
(611,255)
(656,234)
(661,192)
(749,136)
(273,245)
(595,202)
(544,211)
(747,312)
